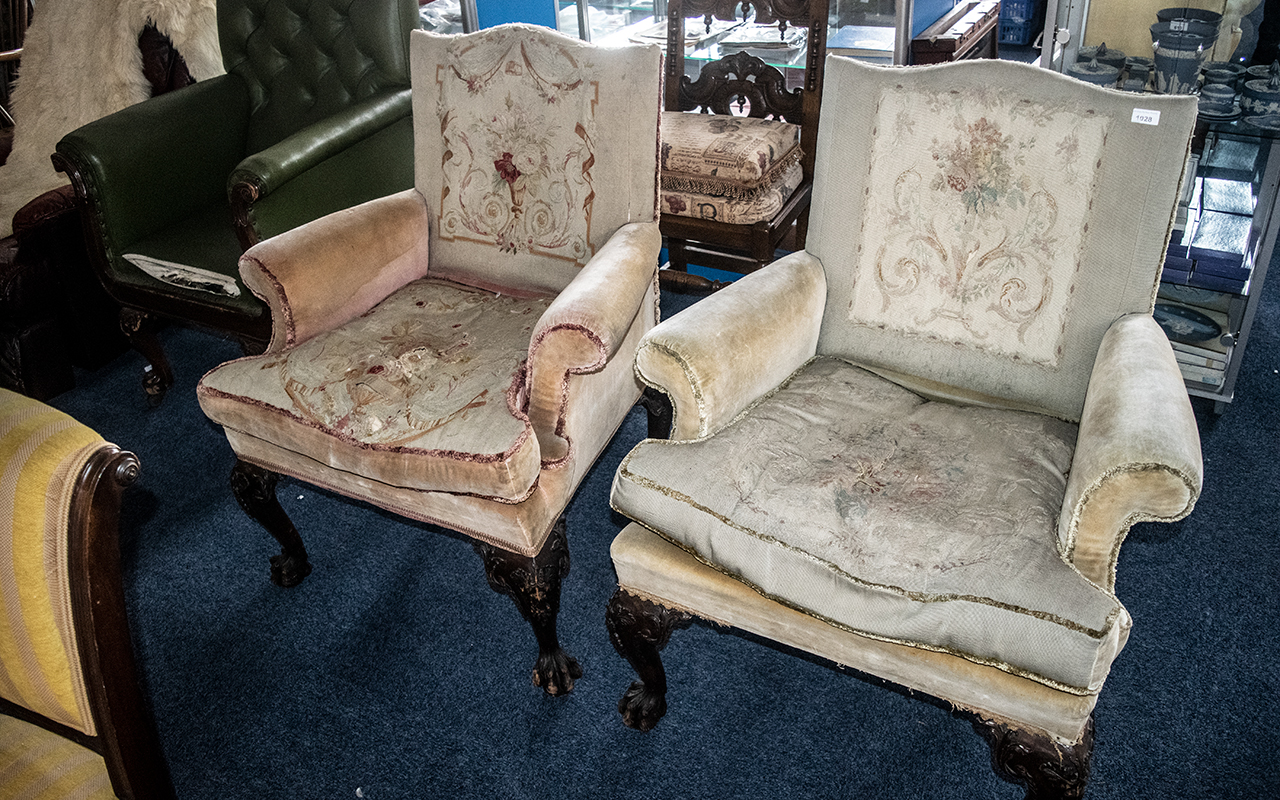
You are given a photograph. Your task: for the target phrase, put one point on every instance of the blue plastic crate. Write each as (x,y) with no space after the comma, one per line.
(1020,10)
(1020,20)
(1018,33)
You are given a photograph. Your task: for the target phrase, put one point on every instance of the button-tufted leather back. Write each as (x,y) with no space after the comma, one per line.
(304,60)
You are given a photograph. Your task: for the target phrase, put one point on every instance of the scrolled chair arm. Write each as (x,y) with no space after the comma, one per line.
(586,325)
(333,269)
(740,343)
(1138,450)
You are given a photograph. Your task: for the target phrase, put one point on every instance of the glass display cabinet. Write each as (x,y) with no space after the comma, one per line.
(875,30)
(1219,254)
(1225,229)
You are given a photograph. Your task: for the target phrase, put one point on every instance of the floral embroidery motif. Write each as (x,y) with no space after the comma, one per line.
(976,164)
(973,242)
(443,355)
(519,147)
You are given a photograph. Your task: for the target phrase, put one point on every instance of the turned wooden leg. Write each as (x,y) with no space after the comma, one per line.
(658,408)
(157,375)
(533,583)
(1049,770)
(255,491)
(639,629)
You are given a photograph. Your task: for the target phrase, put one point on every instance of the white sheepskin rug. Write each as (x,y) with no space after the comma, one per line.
(80,62)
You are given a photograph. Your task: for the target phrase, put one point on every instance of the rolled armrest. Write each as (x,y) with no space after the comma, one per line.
(265,171)
(1138,451)
(329,271)
(587,322)
(153,163)
(719,356)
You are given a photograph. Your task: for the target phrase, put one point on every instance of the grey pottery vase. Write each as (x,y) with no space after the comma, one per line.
(1179,54)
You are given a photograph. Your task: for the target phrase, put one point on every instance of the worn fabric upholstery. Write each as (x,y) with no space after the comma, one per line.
(652,566)
(756,205)
(519,151)
(424,392)
(725,155)
(812,506)
(739,344)
(425,357)
(1138,455)
(1012,302)
(316,279)
(41,453)
(916,446)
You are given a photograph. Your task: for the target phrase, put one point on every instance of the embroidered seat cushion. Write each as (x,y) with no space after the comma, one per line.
(423,392)
(924,523)
(724,155)
(759,204)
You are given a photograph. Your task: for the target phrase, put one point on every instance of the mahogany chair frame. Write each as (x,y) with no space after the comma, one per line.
(126,734)
(737,80)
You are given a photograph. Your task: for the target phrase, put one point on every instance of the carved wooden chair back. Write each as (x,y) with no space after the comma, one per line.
(723,85)
(744,85)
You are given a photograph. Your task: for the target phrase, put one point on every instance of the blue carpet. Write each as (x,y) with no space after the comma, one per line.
(394,672)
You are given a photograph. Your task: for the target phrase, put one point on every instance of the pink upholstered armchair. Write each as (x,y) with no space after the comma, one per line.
(461,352)
(916,447)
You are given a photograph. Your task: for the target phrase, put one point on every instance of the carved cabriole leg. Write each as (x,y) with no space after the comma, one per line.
(533,583)
(639,630)
(658,408)
(157,376)
(1049,770)
(255,491)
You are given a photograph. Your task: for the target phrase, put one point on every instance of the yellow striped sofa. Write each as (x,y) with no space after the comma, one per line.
(73,720)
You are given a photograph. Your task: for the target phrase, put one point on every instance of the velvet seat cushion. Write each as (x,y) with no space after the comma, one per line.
(426,392)
(760,204)
(725,155)
(919,522)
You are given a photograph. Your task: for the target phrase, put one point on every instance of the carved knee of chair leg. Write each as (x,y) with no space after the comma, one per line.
(157,376)
(1049,770)
(533,584)
(639,630)
(255,490)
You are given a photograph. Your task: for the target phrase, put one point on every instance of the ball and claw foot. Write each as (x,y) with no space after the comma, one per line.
(255,490)
(555,672)
(639,629)
(288,571)
(533,584)
(640,708)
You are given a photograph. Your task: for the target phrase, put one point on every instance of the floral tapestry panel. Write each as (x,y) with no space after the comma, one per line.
(429,368)
(975,220)
(517,119)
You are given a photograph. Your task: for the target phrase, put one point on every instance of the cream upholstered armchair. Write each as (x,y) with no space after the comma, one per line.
(461,352)
(74,721)
(915,447)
